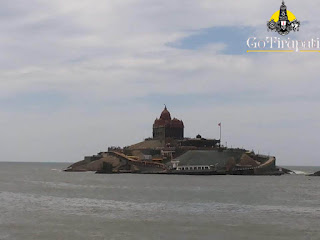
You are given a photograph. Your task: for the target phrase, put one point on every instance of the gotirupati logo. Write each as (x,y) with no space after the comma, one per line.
(283,21)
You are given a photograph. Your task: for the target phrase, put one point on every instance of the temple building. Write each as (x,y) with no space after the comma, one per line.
(165,127)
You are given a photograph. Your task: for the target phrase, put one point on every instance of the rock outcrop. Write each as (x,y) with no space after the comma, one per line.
(245,160)
(95,165)
(315,174)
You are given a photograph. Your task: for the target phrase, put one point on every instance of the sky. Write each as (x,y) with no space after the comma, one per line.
(77,76)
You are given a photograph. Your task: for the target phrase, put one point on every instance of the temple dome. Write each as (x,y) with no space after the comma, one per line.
(177,123)
(165,115)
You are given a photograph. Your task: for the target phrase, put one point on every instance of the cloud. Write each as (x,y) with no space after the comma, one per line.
(78,76)
(234,37)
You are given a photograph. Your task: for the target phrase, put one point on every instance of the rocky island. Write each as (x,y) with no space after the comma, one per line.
(169,152)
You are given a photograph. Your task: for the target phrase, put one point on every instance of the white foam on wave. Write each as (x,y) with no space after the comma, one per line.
(54,169)
(299,172)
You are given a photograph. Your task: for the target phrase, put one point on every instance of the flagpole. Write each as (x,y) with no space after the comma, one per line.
(220,134)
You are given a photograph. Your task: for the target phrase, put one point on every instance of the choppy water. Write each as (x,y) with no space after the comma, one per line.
(37,201)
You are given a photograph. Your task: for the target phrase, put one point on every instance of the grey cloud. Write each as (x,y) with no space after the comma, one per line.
(105,56)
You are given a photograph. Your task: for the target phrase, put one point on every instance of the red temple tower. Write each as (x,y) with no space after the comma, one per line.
(165,127)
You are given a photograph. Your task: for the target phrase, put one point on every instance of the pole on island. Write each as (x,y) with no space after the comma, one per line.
(220,134)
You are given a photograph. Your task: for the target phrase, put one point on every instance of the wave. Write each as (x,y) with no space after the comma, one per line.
(54,169)
(299,172)
(115,209)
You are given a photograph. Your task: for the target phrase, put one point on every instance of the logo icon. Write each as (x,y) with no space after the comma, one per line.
(283,21)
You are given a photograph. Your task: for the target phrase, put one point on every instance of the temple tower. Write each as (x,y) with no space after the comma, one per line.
(165,127)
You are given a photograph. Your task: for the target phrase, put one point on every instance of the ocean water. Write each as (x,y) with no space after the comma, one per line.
(38,201)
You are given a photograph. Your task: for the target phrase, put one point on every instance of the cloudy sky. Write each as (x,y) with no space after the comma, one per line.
(77,76)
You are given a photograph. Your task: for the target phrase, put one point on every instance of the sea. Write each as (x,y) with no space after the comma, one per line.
(39,201)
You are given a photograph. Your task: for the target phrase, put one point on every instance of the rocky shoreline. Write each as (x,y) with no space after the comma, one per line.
(317,174)
(113,162)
